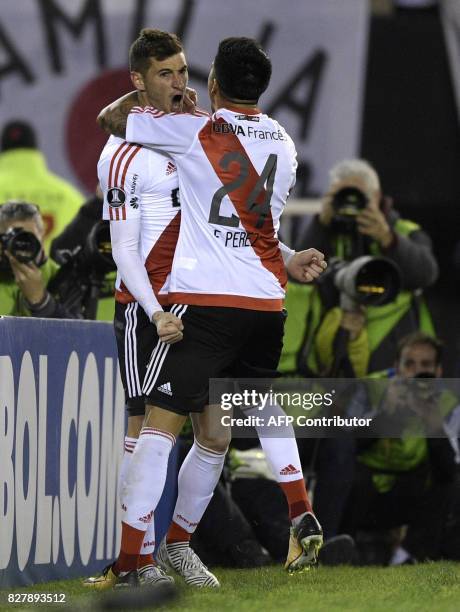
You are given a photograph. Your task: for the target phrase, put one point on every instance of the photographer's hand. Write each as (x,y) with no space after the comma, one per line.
(353,322)
(29,279)
(327,211)
(372,222)
(428,410)
(169,327)
(394,400)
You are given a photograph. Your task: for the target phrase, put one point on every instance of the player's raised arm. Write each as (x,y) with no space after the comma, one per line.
(170,136)
(113,118)
(173,134)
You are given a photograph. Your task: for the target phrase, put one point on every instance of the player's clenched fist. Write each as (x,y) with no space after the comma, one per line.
(306,266)
(169,327)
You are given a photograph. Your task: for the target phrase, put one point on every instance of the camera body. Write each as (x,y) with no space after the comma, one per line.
(81,277)
(421,391)
(23,246)
(414,404)
(347,203)
(359,279)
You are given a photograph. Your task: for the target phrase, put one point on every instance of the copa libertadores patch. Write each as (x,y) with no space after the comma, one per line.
(116,197)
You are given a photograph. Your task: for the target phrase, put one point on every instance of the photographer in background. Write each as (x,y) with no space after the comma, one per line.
(356,220)
(409,480)
(84,251)
(25,271)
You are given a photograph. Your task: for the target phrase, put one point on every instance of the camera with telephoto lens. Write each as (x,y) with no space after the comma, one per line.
(422,398)
(365,281)
(81,276)
(347,203)
(422,389)
(23,246)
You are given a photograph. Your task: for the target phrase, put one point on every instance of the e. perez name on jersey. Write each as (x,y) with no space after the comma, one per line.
(237,239)
(233,184)
(139,182)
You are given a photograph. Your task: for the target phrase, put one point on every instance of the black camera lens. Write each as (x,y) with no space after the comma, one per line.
(23,246)
(349,201)
(98,248)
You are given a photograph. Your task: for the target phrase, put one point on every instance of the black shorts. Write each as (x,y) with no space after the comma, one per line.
(136,338)
(218,342)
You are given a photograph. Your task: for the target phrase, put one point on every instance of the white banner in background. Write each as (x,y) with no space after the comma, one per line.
(62,60)
(451,23)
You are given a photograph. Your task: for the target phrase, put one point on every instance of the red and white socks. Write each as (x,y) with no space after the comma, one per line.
(130,445)
(198,477)
(141,492)
(148,545)
(282,456)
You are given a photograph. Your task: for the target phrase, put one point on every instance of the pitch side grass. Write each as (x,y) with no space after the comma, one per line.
(430,586)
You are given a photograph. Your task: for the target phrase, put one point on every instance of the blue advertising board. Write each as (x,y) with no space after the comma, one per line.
(62,424)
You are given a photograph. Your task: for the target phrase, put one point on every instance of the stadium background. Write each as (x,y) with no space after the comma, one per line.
(350,79)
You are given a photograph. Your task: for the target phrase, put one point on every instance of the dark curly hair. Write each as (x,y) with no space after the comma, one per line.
(152,43)
(242,69)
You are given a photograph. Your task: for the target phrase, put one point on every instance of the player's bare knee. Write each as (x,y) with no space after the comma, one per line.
(218,444)
(134,426)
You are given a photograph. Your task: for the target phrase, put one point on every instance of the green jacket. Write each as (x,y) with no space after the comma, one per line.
(25,176)
(310,328)
(12,302)
(391,456)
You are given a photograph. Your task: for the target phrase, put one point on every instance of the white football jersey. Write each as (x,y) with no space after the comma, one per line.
(236,169)
(142,183)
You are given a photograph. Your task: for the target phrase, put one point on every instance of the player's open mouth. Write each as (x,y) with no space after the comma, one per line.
(176,102)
